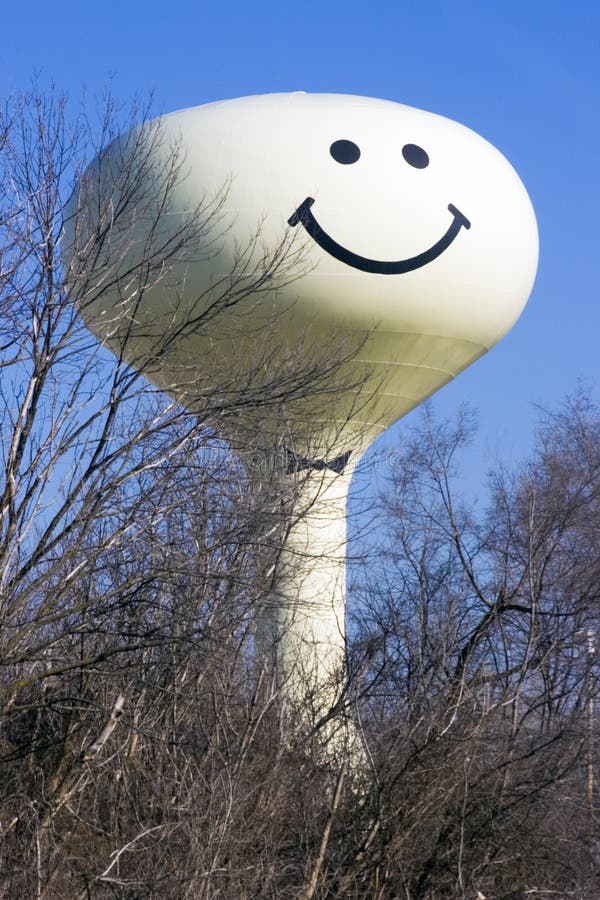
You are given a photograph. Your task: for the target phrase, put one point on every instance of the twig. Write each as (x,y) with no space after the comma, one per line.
(337,795)
(94,748)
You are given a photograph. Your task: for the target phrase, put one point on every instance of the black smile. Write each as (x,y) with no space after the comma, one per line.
(380,267)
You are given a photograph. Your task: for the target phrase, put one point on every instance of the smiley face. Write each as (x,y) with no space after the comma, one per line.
(347,153)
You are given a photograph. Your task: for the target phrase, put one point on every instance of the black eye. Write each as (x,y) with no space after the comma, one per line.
(344,152)
(415,156)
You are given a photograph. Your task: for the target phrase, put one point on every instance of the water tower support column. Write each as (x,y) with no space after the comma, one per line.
(302,635)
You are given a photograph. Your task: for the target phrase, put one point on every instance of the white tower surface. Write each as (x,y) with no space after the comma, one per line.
(418,243)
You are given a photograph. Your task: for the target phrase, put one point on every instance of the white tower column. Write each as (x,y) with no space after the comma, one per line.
(302,634)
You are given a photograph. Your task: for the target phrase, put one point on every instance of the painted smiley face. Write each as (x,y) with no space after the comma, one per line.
(346,153)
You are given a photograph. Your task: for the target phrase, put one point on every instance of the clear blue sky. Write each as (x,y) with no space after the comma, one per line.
(523,73)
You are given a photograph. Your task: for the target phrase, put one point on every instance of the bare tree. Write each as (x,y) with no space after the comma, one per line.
(135,550)
(480,674)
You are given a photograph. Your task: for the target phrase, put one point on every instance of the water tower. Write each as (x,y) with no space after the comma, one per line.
(418,243)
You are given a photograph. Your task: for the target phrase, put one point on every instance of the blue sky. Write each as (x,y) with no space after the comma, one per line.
(523,73)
